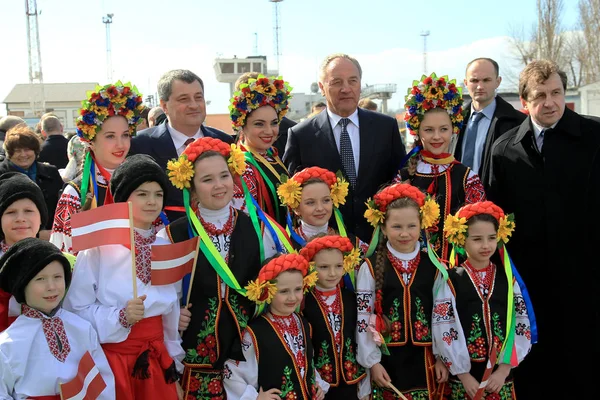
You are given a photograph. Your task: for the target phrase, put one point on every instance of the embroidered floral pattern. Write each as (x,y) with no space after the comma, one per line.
(443,311)
(54,331)
(202,386)
(458,392)
(352,369)
(498,333)
(387,394)
(239,311)
(396,325)
(206,350)
(123,319)
(474,190)
(362,302)
(421,325)
(142,256)
(287,386)
(475,341)
(450,336)
(323,364)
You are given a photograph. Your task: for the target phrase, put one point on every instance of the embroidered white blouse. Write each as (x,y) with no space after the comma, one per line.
(28,366)
(102,285)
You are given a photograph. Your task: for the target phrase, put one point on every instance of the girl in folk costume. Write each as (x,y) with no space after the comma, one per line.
(331,312)
(139,334)
(276,357)
(394,295)
(107,121)
(433,115)
(23,211)
(314,195)
(44,346)
(256,111)
(217,304)
(479,311)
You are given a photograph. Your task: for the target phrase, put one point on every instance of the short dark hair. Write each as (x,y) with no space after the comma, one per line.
(493,62)
(10,121)
(165,83)
(244,79)
(368,104)
(21,137)
(539,71)
(51,124)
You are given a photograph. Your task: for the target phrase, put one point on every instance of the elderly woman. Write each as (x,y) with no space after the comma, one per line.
(22,148)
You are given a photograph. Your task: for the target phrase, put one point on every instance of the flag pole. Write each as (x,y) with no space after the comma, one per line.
(132,243)
(397,391)
(60,391)
(187,301)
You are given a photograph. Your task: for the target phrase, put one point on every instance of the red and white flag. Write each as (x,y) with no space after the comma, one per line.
(87,385)
(101,226)
(171,262)
(486,375)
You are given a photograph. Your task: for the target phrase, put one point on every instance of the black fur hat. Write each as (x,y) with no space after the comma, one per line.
(134,172)
(16,186)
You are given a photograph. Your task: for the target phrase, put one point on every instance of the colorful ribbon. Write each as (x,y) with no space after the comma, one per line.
(526,298)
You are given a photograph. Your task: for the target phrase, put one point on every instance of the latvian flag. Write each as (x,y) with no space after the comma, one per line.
(87,385)
(486,375)
(101,226)
(171,262)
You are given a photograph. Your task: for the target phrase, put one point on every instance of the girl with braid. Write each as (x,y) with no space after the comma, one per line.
(331,311)
(394,296)
(275,360)
(479,311)
(434,115)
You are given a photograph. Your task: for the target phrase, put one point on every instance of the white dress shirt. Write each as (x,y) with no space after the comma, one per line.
(180,138)
(353,132)
(537,131)
(482,131)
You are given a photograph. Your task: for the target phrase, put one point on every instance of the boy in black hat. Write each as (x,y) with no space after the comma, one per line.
(23,212)
(45,344)
(102,292)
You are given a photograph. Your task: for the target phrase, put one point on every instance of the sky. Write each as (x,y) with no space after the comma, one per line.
(151,37)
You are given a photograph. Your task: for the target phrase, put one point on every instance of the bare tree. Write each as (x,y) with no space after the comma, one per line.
(550,38)
(589,24)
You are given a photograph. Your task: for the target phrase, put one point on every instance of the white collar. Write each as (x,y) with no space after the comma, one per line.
(311,230)
(404,256)
(537,129)
(145,233)
(217,217)
(335,119)
(180,138)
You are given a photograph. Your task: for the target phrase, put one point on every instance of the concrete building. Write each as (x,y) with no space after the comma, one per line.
(62,99)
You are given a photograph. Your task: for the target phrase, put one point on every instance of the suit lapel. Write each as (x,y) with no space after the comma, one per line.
(367,143)
(326,142)
(165,149)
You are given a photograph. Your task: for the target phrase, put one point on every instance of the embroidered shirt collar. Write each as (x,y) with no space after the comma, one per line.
(404,256)
(311,230)
(215,217)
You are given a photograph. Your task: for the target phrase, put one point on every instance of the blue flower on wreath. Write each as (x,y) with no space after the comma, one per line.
(259,98)
(412,109)
(102,102)
(456,109)
(131,103)
(419,97)
(242,105)
(89,118)
(449,96)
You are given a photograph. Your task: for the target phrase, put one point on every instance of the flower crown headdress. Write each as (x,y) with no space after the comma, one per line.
(343,244)
(263,288)
(262,91)
(455,226)
(181,170)
(106,101)
(433,92)
(290,191)
(429,210)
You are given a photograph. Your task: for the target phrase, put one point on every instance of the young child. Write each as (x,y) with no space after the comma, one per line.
(139,335)
(217,312)
(276,357)
(394,296)
(23,211)
(475,307)
(43,347)
(331,312)
(314,195)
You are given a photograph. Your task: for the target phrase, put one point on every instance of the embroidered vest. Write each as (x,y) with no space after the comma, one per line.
(454,183)
(328,361)
(408,307)
(483,322)
(216,323)
(277,367)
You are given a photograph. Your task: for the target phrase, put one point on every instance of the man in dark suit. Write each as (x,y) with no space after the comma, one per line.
(365,146)
(474,145)
(545,171)
(54,148)
(181,94)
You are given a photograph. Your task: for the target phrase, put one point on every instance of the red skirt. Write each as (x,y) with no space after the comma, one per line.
(146,335)
(5,320)
(53,397)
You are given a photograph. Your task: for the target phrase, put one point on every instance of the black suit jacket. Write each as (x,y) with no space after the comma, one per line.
(311,143)
(54,151)
(505,118)
(157,143)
